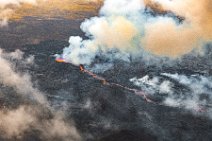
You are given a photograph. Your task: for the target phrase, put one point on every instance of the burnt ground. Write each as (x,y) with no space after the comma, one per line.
(114,114)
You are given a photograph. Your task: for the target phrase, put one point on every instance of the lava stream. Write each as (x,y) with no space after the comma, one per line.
(105,82)
(135,91)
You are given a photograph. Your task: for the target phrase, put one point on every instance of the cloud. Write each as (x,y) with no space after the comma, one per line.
(143,27)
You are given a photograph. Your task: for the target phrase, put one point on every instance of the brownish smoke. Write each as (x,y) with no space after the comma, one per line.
(164,37)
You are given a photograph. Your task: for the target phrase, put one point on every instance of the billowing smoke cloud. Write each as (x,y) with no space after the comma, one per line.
(179,39)
(190,92)
(158,27)
(7,8)
(34,111)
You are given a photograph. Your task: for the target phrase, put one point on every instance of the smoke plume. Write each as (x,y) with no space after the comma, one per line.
(157,27)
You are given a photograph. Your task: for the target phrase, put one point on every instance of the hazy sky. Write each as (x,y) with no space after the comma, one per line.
(16,9)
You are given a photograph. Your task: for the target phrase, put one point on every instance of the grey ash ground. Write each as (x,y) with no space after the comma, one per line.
(100,112)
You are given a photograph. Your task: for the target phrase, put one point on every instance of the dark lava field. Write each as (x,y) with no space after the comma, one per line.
(101,112)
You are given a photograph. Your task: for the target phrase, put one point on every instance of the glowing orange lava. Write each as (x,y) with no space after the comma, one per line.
(60,60)
(82,68)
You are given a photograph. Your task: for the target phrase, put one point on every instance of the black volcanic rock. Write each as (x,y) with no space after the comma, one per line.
(101,112)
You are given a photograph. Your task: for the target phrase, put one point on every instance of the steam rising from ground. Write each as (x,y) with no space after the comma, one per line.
(35,112)
(190,92)
(158,27)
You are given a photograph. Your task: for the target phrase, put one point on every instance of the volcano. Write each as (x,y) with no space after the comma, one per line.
(46,100)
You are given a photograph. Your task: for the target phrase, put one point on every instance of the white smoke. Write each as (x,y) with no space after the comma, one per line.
(127,27)
(14,123)
(153,85)
(19,81)
(197,83)
(198,95)
(100,68)
(114,29)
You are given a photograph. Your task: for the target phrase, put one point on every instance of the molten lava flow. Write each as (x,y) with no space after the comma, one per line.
(135,91)
(82,68)
(60,60)
(105,82)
